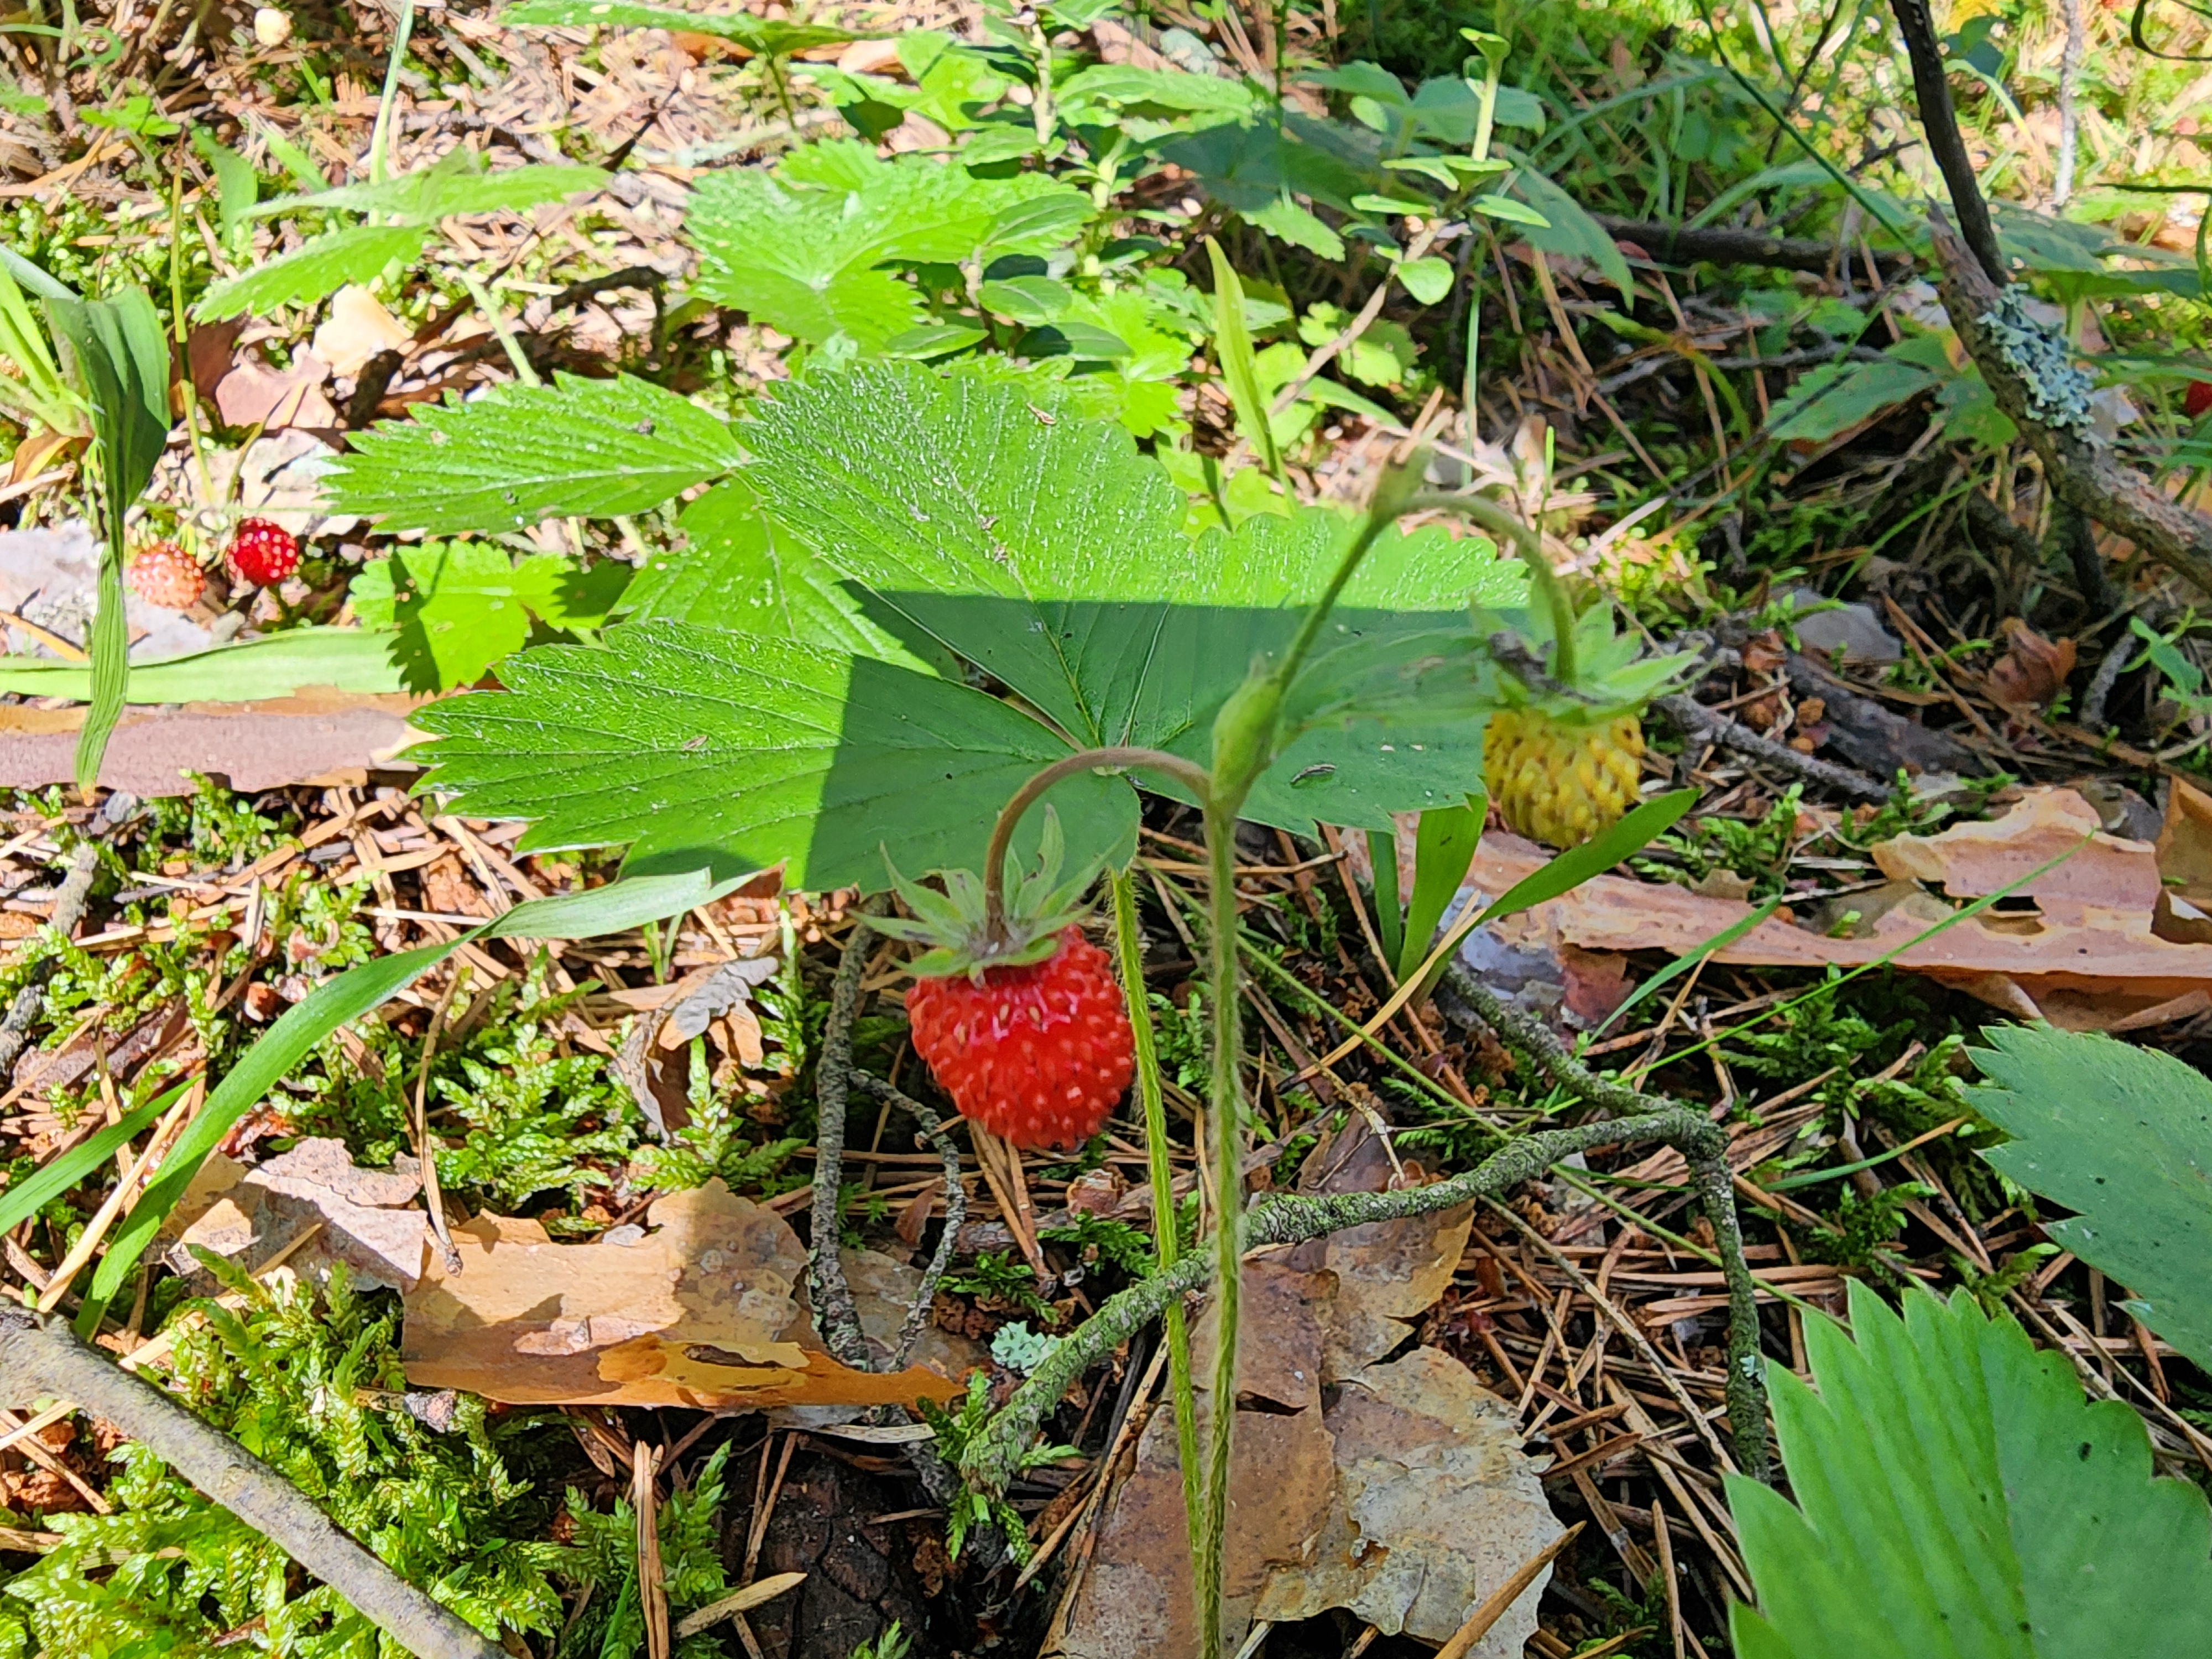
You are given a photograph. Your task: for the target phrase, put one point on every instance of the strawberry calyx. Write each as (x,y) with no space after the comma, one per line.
(960,928)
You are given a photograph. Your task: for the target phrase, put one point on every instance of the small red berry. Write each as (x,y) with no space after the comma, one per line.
(2196,399)
(262,552)
(1039,1053)
(165,574)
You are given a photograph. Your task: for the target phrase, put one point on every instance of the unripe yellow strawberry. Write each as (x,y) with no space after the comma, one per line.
(1561,782)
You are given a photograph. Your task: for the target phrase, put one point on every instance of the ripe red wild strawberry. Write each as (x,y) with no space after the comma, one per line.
(262,552)
(2196,399)
(1039,1053)
(165,574)
(1016,1012)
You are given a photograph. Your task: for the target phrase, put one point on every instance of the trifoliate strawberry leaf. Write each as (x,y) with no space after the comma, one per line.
(1956,1498)
(461,606)
(1045,551)
(800,251)
(2123,1137)
(522,453)
(316,270)
(739,571)
(701,748)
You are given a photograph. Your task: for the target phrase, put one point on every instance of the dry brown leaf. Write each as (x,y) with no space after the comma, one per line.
(254,394)
(700,1311)
(1136,1597)
(1435,1506)
(356,330)
(369,1218)
(2084,956)
(2029,674)
(2184,866)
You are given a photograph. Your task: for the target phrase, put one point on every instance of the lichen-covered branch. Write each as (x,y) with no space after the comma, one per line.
(956,1206)
(994,1456)
(834,1309)
(1746,1369)
(2082,472)
(40,1357)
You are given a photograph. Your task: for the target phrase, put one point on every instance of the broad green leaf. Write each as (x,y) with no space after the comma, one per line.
(117,354)
(772,37)
(1286,222)
(2123,1137)
(1957,1499)
(800,251)
(238,187)
(933,340)
(344,658)
(1836,397)
(316,270)
(697,746)
(1031,300)
(744,572)
(1504,207)
(523,453)
(1427,279)
(561,596)
(457,607)
(1124,85)
(1043,549)
(1569,231)
(613,909)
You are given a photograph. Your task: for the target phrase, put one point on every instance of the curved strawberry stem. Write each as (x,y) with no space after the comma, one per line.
(1189,773)
(1493,517)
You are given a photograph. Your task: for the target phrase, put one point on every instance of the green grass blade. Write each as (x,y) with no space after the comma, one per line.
(28,1196)
(1579,864)
(1389,908)
(1444,846)
(1690,958)
(1240,368)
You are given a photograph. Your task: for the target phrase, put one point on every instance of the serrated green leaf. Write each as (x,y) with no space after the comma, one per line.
(1957,1499)
(521,454)
(316,270)
(772,37)
(1836,397)
(740,570)
(458,607)
(561,596)
(802,256)
(1043,549)
(741,753)
(2121,1136)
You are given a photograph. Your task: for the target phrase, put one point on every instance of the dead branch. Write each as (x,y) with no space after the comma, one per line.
(1699,722)
(2082,472)
(1724,245)
(40,1357)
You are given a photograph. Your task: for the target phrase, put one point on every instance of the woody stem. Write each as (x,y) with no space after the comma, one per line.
(1189,773)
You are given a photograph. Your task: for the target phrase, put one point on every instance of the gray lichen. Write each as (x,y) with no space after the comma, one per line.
(2058,393)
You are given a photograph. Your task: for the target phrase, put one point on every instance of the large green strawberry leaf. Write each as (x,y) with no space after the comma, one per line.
(740,570)
(801,250)
(1047,552)
(700,748)
(1956,1498)
(2121,1136)
(459,607)
(524,453)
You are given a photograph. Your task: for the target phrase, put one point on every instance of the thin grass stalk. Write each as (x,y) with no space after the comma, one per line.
(1130,945)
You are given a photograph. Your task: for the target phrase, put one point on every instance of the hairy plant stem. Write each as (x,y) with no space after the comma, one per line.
(1131,947)
(1224,1104)
(1189,773)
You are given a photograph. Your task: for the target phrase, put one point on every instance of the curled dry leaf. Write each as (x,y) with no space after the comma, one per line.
(2030,674)
(356,330)
(255,394)
(699,1309)
(1397,1492)
(2078,947)
(367,1219)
